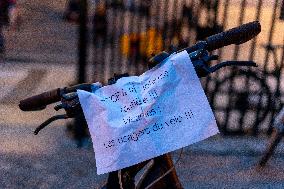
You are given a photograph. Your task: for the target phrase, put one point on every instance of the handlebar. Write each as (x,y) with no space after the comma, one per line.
(40,101)
(236,35)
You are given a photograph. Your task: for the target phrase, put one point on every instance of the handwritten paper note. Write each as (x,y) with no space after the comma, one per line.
(142,117)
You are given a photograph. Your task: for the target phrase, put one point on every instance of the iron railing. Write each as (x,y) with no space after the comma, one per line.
(127,33)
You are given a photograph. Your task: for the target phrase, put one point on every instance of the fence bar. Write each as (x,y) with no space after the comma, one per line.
(79,128)
(282,59)
(82,43)
(216,10)
(241,20)
(277,93)
(99,48)
(119,57)
(190,21)
(257,16)
(272,27)
(214,5)
(265,69)
(105,60)
(176,31)
(282,62)
(233,72)
(220,51)
(138,56)
(165,25)
(135,57)
(224,23)
(116,27)
(247,78)
(95,56)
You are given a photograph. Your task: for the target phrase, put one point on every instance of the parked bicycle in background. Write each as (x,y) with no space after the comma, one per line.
(277,135)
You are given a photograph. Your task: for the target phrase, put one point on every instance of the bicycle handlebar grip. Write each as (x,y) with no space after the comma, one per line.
(40,101)
(237,35)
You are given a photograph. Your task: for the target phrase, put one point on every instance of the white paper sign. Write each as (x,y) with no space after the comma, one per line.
(141,117)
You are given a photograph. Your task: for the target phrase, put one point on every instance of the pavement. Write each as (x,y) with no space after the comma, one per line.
(51,160)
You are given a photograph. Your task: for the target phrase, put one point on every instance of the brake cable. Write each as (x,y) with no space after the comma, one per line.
(48,121)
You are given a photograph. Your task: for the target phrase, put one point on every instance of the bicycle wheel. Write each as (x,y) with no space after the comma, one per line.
(241,102)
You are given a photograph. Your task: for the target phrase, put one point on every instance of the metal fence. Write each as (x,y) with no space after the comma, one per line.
(127,33)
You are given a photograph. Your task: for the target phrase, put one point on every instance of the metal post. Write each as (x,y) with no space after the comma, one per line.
(282,11)
(82,42)
(80,124)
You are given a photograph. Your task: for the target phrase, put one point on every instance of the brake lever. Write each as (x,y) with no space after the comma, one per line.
(48,121)
(200,59)
(202,69)
(68,101)
(232,63)
(71,104)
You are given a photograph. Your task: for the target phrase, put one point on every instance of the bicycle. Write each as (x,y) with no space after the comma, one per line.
(277,134)
(277,129)
(249,93)
(253,105)
(160,171)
